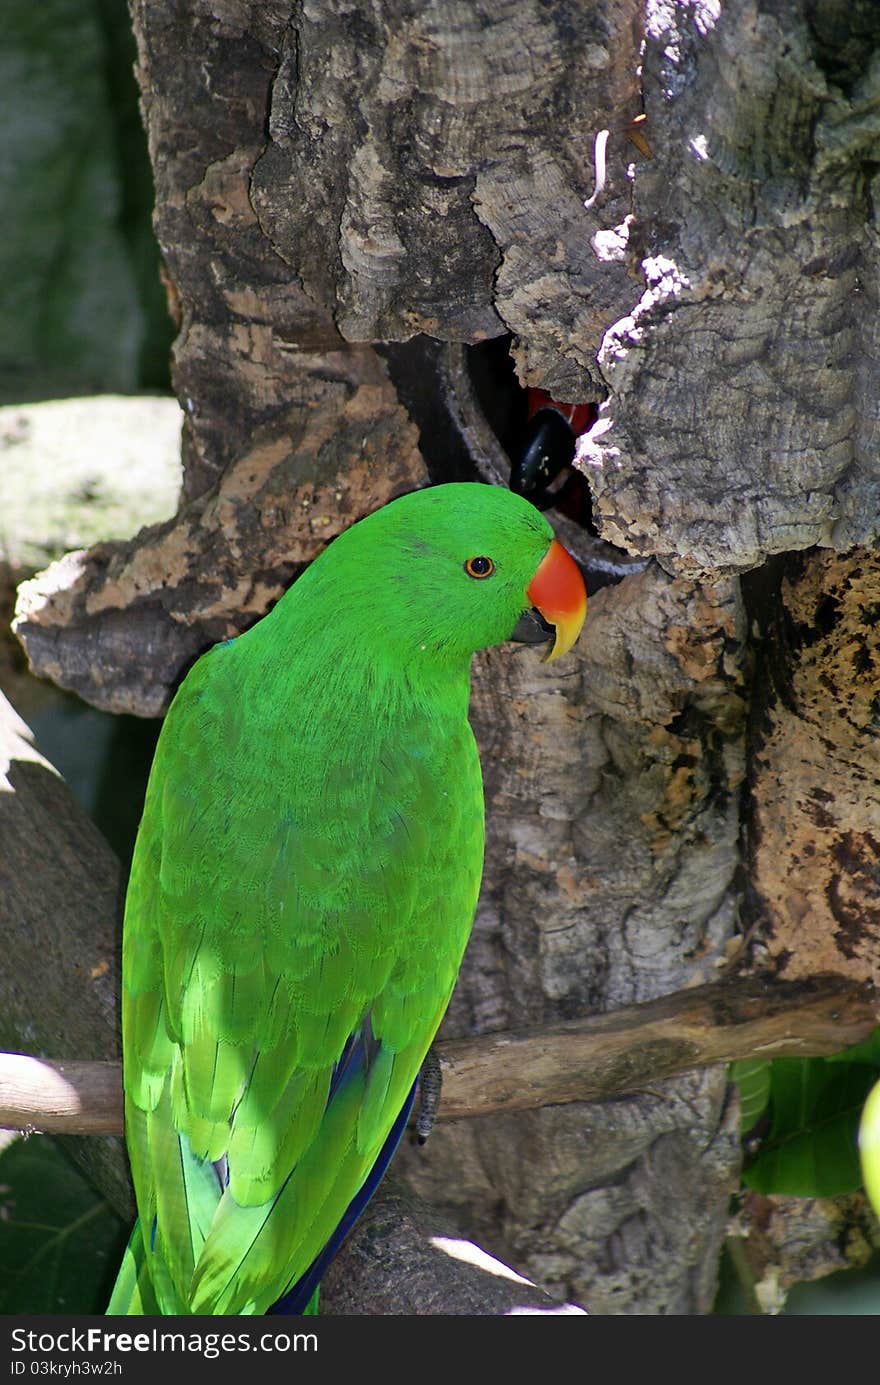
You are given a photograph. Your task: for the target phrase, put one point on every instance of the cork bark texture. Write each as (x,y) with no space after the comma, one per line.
(740,420)
(815,840)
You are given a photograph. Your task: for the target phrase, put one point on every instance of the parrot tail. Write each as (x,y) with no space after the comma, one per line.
(303,1297)
(133,1291)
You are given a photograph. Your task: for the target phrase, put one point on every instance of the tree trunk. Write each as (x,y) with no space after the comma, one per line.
(353,199)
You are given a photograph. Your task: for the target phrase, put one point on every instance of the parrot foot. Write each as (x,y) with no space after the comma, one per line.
(430,1084)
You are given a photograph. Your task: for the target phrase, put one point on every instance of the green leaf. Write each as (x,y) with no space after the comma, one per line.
(753,1077)
(811,1149)
(60,1243)
(866,1052)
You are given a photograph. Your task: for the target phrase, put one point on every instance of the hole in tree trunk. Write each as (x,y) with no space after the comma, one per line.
(538,433)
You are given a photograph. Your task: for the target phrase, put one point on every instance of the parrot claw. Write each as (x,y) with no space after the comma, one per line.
(430,1084)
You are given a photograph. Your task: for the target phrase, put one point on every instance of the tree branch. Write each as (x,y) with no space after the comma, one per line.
(592,1059)
(60,1098)
(631,1048)
(405,1257)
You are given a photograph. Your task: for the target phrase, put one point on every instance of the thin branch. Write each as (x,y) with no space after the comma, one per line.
(60,1098)
(631,1048)
(584,1060)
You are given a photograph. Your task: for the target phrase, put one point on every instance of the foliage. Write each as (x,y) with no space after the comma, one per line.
(800,1118)
(61,1242)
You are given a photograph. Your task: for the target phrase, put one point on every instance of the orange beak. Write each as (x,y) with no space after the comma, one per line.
(557,590)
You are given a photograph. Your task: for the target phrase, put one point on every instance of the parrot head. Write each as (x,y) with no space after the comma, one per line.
(459,567)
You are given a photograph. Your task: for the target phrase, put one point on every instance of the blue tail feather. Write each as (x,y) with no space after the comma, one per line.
(296,1300)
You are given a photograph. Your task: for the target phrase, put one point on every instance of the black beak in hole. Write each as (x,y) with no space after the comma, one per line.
(532,628)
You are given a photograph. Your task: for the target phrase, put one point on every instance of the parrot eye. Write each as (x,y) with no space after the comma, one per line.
(479,567)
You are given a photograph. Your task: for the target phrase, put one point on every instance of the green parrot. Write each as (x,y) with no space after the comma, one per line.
(303,886)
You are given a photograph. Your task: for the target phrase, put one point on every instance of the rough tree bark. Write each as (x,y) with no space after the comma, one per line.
(350,192)
(59,894)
